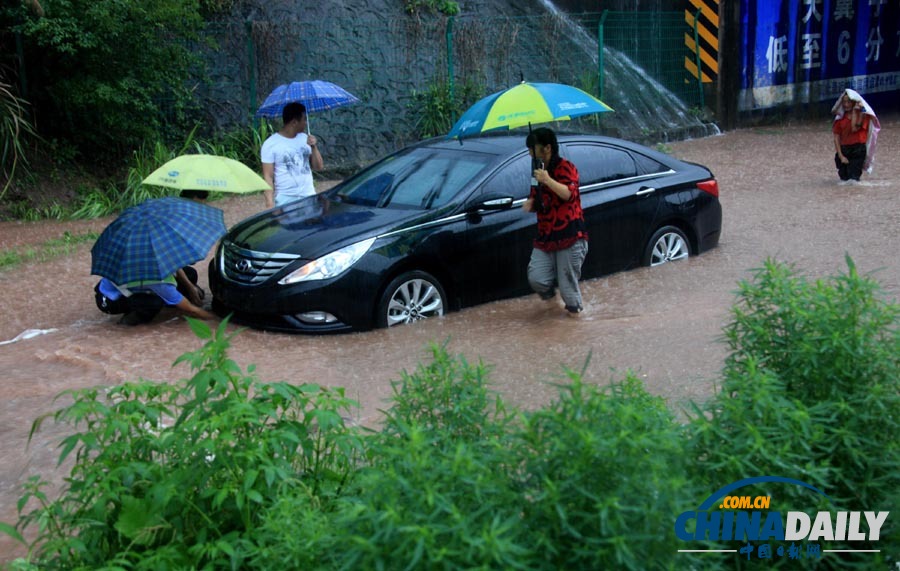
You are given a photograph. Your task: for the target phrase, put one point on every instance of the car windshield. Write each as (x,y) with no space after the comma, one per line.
(419,178)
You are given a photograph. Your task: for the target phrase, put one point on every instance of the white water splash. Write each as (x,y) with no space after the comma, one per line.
(642,104)
(27,334)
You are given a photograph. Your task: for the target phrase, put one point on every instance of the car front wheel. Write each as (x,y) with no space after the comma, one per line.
(667,245)
(411,297)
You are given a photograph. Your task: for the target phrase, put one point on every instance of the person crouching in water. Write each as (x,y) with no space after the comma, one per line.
(140,302)
(562,241)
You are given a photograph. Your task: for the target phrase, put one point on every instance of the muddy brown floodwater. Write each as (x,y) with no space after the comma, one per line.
(780,199)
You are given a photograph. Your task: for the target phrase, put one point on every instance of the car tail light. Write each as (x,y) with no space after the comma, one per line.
(709,187)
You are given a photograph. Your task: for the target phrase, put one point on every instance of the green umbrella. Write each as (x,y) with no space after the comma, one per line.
(207,172)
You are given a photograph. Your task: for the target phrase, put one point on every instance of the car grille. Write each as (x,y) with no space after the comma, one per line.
(249,267)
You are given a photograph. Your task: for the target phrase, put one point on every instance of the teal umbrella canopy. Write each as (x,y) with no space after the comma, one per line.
(526,104)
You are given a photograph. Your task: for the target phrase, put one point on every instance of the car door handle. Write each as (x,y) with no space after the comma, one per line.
(497,204)
(645,190)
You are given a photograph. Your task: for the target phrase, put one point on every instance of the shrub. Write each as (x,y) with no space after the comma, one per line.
(224,471)
(102,72)
(603,475)
(811,391)
(435,491)
(179,476)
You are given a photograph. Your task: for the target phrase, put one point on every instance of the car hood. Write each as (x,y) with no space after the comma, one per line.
(317,225)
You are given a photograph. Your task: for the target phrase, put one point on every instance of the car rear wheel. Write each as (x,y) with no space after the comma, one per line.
(667,245)
(410,297)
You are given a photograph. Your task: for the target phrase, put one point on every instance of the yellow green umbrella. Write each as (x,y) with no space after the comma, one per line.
(207,172)
(526,104)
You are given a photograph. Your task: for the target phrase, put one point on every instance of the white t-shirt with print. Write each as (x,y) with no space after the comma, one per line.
(293,175)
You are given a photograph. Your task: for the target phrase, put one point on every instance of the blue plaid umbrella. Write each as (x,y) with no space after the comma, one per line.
(152,240)
(316,95)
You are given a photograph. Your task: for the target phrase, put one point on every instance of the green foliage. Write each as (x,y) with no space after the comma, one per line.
(179,475)
(448,397)
(446,7)
(434,110)
(99,71)
(15,131)
(48,250)
(214,7)
(224,471)
(438,491)
(456,480)
(437,109)
(811,391)
(664,148)
(605,474)
(243,145)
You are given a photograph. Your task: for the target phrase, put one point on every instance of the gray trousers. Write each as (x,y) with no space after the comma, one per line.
(547,270)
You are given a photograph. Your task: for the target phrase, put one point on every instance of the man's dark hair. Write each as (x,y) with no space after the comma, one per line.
(198,194)
(292,111)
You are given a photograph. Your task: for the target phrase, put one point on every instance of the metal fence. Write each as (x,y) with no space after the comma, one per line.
(410,70)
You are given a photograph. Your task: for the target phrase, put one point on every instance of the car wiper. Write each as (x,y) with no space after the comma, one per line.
(434,192)
(430,197)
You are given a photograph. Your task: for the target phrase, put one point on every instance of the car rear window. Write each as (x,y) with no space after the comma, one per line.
(418,178)
(599,163)
(646,165)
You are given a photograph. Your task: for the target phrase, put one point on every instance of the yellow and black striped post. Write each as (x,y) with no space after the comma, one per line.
(703,41)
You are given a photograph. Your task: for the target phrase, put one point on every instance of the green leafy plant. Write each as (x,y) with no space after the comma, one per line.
(435,490)
(224,471)
(664,148)
(132,59)
(446,7)
(178,475)
(811,391)
(436,109)
(15,131)
(603,471)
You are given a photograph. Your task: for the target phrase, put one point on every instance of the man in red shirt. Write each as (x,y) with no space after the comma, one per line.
(562,242)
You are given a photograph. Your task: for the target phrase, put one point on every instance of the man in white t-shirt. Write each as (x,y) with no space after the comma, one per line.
(289,157)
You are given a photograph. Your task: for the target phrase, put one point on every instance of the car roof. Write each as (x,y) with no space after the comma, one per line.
(506,143)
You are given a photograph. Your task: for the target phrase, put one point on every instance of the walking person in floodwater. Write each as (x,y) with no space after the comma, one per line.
(855,130)
(561,244)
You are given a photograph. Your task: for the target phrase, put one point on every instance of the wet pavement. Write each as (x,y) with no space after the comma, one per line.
(780,199)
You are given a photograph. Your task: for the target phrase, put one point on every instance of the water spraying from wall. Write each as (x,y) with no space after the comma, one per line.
(645,110)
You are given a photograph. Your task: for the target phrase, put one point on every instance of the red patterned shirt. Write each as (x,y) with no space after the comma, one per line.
(560,222)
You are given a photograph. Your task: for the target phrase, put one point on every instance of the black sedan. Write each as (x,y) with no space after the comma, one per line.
(439,225)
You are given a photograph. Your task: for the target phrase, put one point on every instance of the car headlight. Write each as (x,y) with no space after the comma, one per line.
(329,265)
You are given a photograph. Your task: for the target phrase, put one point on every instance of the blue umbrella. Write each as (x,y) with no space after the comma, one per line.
(316,95)
(152,240)
(526,104)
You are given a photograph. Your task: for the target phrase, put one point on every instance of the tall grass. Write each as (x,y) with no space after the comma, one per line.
(15,131)
(47,250)
(243,145)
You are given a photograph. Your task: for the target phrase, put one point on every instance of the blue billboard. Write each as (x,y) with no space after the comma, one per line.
(806,51)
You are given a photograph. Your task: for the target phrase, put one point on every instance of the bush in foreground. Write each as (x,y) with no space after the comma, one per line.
(222,471)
